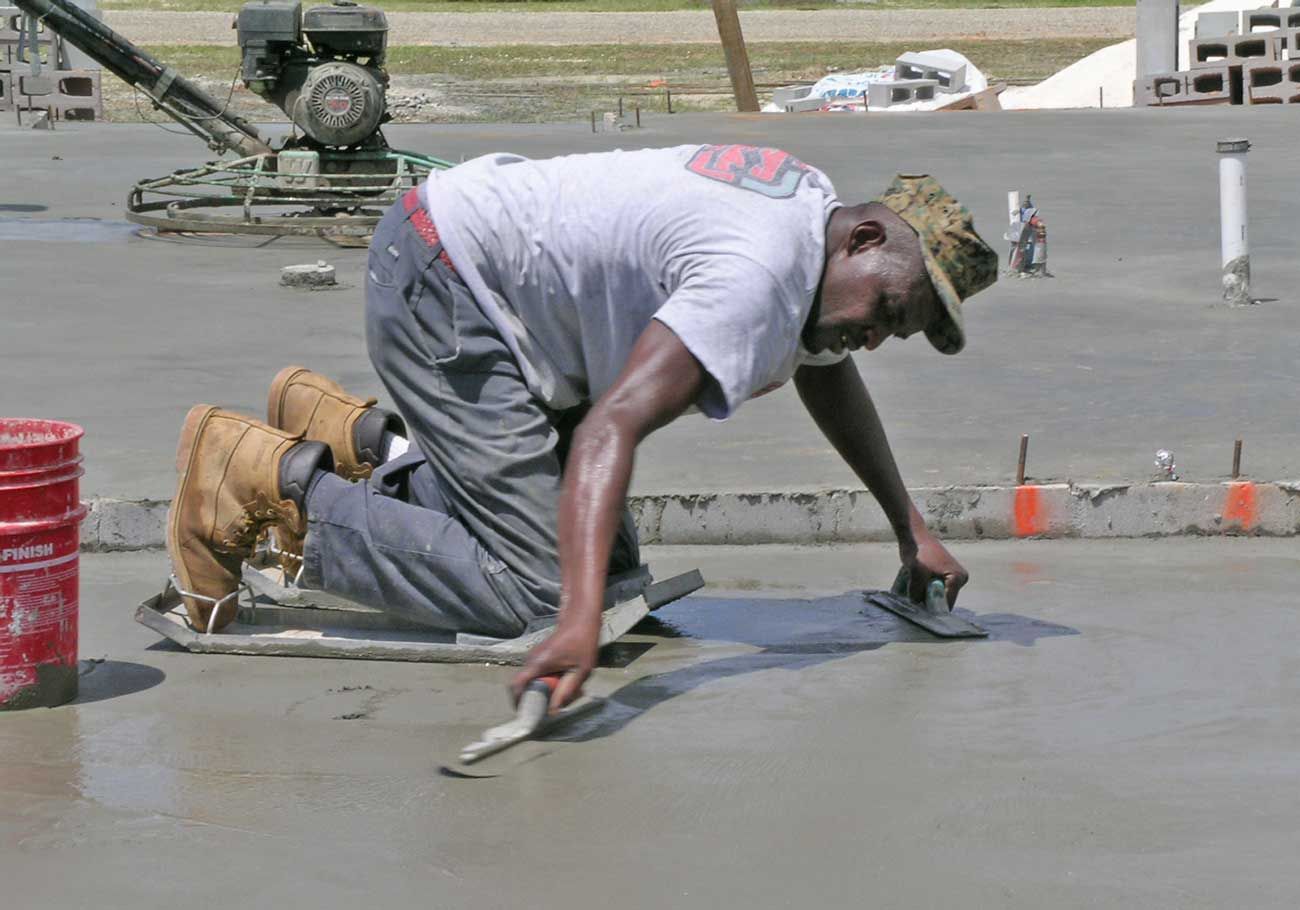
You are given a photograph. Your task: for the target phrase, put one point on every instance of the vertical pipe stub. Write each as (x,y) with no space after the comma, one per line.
(1234,243)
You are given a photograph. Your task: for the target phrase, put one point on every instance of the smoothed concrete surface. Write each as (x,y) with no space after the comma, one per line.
(1128,740)
(1126,351)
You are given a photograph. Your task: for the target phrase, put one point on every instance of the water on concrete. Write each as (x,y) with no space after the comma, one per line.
(1128,350)
(1127,739)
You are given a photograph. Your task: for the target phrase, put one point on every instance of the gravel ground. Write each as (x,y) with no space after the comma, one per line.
(683,27)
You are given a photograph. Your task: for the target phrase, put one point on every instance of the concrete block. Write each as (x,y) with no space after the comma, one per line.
(66,94)
(1204,52)
(1232,50)
(900,91)
(1213,85)
(1253,47)
(1269,19)
(6,90)
(1160,88)
(1218,25)
(920,65)
(805,104)
(1272,83)
(796,98)
(1287,44)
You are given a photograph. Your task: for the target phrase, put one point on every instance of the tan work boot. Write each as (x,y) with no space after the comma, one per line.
(306,403)
(238,476)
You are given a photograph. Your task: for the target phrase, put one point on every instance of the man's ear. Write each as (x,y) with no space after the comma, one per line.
(866,235)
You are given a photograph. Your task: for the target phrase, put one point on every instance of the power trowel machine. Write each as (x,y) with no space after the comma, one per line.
(323,66)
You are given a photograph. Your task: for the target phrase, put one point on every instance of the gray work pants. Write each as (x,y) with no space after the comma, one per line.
(460,533)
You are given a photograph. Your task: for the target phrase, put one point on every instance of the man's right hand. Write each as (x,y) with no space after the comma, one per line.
(569,654)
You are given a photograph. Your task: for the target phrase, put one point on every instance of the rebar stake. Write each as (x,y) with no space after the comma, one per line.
(1020,467)
(1236,459)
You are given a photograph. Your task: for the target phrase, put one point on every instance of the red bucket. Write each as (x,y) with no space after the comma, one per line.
(40,518)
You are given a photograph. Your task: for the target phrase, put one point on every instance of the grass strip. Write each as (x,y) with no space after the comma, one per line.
(1000,60)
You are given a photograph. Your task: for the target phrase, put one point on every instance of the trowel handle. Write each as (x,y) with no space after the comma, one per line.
(536,701)
(936,592)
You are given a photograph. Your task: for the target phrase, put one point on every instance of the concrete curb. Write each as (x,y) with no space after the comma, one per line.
(955,513)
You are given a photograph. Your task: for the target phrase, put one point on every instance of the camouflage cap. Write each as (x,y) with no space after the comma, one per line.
(957,259)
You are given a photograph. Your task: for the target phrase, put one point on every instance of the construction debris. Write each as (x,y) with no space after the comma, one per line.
(319,274)
(918,81)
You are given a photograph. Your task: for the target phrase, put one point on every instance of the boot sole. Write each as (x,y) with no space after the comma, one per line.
(195,421)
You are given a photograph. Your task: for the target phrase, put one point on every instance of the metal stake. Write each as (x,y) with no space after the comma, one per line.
(1020,467)
(669,93)
(1236,459)
(638,116)
(593,121)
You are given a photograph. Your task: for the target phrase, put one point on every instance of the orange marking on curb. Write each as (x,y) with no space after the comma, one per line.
(1241,507)
(1028,515)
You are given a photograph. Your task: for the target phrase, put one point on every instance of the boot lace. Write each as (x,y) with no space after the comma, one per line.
(240,536)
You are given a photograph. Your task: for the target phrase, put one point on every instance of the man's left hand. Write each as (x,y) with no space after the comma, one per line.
(929,559)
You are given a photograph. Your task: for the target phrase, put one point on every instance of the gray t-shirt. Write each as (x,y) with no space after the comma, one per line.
(572,257)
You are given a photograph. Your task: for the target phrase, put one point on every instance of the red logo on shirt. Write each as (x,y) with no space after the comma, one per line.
(771,172)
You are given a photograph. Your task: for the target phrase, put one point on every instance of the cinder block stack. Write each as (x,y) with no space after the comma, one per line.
(68,94)
(919,76)
(1252,57)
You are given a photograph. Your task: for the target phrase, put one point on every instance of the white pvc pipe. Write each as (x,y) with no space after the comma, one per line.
(1234,243)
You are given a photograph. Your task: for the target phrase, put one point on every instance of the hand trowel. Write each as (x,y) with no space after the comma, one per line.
(530,722)
(932,614)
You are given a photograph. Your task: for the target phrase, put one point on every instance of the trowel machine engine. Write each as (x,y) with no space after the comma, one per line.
(323,67)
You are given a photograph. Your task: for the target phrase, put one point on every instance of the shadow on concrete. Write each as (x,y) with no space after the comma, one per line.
(791,635)
(21,207)
(66,230)
(105,679)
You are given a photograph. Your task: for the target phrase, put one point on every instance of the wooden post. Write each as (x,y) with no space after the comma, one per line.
(733,45)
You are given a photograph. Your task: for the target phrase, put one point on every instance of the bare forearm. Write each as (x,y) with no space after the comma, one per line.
(841,406)
(596,481)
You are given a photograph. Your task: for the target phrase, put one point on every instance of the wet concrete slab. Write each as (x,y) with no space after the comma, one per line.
(1126,739)
(1124,352)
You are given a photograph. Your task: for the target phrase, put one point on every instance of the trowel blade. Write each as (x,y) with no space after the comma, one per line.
(943,624)
(485,758)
